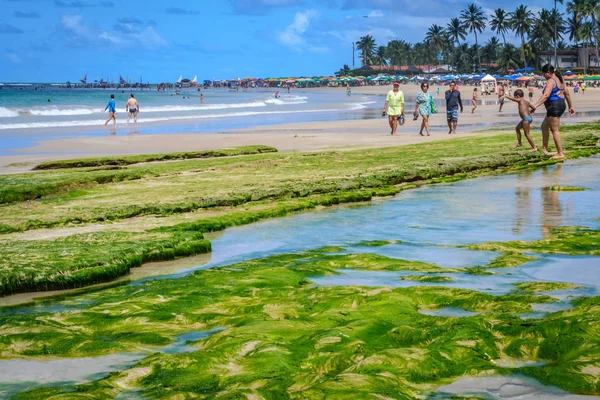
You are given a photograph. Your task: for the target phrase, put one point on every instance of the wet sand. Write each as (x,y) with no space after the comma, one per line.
(311,136)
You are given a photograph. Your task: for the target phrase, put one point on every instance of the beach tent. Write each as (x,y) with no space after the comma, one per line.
(486,81)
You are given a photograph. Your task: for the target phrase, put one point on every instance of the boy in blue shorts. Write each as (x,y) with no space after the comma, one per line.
(526,118)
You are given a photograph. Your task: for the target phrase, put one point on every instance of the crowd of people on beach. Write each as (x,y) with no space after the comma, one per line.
(555,97)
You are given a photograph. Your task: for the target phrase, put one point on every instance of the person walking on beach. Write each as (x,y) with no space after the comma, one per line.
(474,101)
(112,110)
(453,103)
(394,107)
(531,90)
(554,94)
(133,107)
(526,118)
(501,93)
(423,106)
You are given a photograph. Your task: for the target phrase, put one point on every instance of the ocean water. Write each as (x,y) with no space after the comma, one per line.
(30,114)
(53,108)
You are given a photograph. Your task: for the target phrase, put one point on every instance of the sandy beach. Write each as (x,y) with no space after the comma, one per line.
(307,136)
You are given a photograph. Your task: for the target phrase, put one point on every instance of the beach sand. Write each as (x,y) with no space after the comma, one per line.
(312,136)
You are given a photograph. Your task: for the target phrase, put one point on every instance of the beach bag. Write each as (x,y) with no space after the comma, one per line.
(433,108)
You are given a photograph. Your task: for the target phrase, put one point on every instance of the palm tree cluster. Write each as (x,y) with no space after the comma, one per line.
(536,33)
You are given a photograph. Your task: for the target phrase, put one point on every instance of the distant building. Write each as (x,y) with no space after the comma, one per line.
(579,58)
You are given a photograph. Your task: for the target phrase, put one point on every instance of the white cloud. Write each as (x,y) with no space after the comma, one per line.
(78,31)
(375,14)
(293,35)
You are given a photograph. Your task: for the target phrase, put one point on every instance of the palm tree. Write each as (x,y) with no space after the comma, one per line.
(573,28)
(367,46)
(490,50)
(436,38)
(344,71)
(474,20)
(508,59)
(455,31)
(499,23)
(587,35)
(521,21)
(381,56)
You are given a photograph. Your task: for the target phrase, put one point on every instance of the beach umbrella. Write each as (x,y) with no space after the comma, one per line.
(522,78)
(569,73)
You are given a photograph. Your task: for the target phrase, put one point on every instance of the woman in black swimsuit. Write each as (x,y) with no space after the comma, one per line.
(553,97)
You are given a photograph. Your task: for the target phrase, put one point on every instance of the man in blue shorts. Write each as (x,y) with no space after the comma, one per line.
(112,110)
(453,103)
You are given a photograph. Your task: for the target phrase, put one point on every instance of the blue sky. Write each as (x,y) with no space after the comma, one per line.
(60,40)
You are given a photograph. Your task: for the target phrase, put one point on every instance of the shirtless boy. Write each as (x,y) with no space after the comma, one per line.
(526,118)
(133,107)
(501,91)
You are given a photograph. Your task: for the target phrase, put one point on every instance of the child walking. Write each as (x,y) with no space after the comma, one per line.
(526,118)
(474,101)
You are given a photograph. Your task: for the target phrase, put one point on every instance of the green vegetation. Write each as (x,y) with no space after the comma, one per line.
(84,208)
(510,260)
(427,278)
(143,158)
(533,287)
(79,260)
(565,189)
(86,196)
(285,338)
(572,240)
(376,243)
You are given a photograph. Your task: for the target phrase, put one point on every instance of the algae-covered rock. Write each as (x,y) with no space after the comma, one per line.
(427,278)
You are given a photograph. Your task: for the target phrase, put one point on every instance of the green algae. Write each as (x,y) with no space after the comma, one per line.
(510,260)
(263,189)
(565,189)
(79,260)
(533,287)
(568,240)
(286,339)
(427,278)
(143,158)
(263,176)
(376,243)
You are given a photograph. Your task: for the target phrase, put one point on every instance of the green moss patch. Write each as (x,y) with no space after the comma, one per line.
(427,278)
(375,243)
(533,287)
(510,260)
(288,339)
(570,240)
(142,158)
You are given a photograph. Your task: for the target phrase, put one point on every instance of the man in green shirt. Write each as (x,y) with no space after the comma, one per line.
(394,106)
